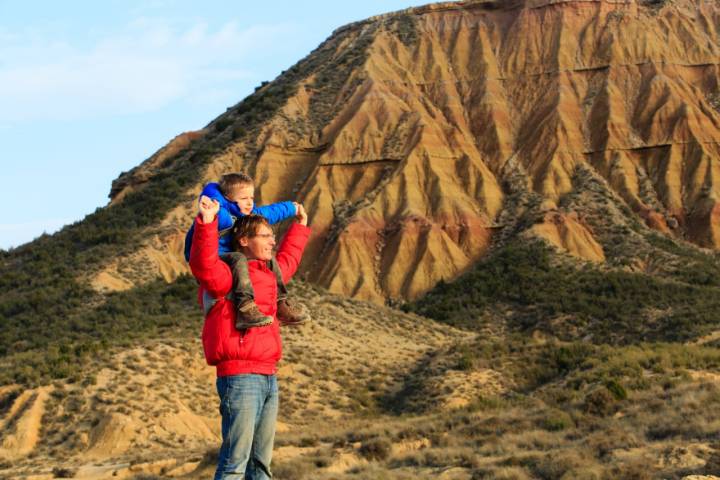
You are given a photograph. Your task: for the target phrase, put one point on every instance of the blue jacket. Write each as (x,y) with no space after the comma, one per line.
(229,213)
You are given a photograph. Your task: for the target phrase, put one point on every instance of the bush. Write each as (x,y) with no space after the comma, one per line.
(575,303)
(557,420)
(63,348)
(599,402)
(617,390)
(556,465)
(375,449)
(64,472)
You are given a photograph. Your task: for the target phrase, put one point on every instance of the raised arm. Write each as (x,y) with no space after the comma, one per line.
(226,215)
(212,273)
(293,244)
(276,212)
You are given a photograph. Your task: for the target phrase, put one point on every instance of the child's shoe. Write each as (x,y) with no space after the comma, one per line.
(291,314)
(248,316)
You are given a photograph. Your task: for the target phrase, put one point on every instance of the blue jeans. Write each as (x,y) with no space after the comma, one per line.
(249,407)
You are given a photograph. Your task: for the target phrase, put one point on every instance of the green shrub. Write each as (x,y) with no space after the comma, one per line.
(61,349)
(617,390)
(606,306)
(405,28)
(557,420)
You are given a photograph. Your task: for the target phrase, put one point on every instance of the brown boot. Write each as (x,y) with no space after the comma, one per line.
(248,316)
(291,313)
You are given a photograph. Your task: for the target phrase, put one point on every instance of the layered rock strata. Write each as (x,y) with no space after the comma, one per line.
(400,141)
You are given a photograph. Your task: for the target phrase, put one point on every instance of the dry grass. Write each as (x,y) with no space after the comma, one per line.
(367,392)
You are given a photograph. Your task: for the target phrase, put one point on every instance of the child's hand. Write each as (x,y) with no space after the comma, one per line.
(301,215)
(208,208)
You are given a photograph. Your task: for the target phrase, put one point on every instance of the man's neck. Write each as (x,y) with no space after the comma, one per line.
(248,255)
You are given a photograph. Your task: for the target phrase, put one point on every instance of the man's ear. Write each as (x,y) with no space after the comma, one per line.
(243,241)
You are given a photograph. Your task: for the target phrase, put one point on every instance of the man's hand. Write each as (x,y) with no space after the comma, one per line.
(301,215)
(208,208)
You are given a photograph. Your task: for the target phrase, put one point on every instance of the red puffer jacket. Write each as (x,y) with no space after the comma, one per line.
(258,349)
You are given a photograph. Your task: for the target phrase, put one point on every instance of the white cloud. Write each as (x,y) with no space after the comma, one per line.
(146,66)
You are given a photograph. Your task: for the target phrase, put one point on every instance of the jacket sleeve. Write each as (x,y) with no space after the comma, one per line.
(188,241)
(224,219)
(212,273)
(276,212)
(291,250)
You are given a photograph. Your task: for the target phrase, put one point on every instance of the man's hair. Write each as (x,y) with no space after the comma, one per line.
(247,226)
(230,181)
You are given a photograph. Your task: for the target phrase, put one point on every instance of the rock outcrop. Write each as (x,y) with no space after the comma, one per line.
(401,137)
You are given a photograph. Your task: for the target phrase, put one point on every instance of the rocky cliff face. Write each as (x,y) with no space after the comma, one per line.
(418,138)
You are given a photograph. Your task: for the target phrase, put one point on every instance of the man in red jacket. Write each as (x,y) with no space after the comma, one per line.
(246,360)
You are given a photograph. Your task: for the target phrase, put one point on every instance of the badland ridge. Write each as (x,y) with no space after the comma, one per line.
(560,156)
(419,138)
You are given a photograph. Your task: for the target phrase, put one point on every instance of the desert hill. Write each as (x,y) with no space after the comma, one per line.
(531,181)
(417,138)
(422,139)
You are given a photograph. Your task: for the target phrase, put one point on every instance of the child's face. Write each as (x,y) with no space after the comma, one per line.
(244,197)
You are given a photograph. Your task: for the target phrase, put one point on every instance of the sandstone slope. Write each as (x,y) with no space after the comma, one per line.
(401,134)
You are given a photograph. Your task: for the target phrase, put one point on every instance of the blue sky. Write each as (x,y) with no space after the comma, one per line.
(90,89)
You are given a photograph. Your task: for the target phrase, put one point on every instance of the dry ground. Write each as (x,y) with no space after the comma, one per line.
(371,393)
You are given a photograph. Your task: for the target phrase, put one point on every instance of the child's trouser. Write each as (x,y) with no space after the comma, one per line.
(242,287)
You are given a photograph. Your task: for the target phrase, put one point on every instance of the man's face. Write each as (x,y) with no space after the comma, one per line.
(260,246)
(244,197)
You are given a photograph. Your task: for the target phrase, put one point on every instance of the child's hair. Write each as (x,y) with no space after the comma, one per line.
(230,181)
(247,226)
